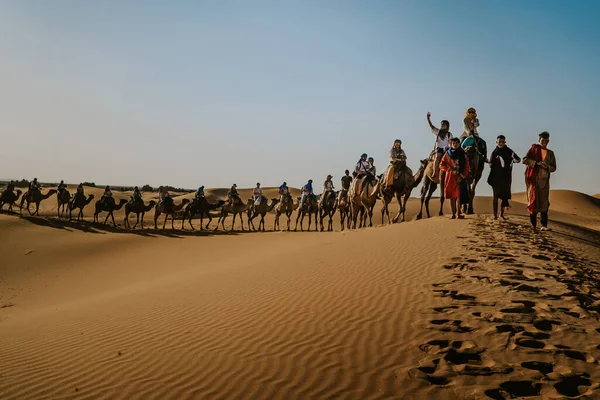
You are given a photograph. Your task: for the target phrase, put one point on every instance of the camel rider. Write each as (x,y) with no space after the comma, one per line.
(442,142)
(200,193)
(470,135)
(284,191)
(34,185)
(372,170)
(80,192)
(233,196)
(360,171)
(307,190)
(362,167)
(106,195)
(257,194)
(61,187)
(137,196)
(346,180)
(327,188)
(397,163)
(163,195)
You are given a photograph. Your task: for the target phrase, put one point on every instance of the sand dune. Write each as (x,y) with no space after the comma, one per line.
(435,308)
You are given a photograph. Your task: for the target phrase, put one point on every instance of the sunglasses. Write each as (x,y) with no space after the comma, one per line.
(471,112)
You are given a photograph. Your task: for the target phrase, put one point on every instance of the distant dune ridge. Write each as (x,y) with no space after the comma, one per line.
(436,308)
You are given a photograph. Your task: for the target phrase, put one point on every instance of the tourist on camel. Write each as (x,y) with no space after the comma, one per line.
(307,190)
(397,163)
(327,188)
(137,196)
(107,194)
(470,135)
(200,193)
(257,194)
(442,140)
(233,197)
(284,191)
(61,187)
(456,166)
(500,178)
(361,170)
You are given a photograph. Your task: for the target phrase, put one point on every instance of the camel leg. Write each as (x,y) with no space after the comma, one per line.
(242,220)
(137,220)
(142,220)
(209,221)
(297,218)
(165,221)
(424,190)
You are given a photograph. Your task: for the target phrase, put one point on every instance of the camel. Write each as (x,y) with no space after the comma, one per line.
(364,201)
(36,197)
(287,207)
(327,208)
(168,208)
(109,206)
(430,184)
(402,186)
(311,207)
(9,197)
(236,209)
(261,209)
(476,162)
(200,206)
(63,199)
(343,205)
(79,202)
(137,207)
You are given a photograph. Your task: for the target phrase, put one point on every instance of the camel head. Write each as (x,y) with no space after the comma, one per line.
(221,202)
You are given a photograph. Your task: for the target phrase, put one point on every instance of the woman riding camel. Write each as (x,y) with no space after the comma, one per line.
(398,161)
(442,140)
(470,135)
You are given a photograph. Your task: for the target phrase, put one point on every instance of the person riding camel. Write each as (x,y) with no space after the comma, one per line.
(61,187)
(137,196)
(200,193)
(34,186)
(470,135)
(397,163)
(80,191)
(257,194)
(372,170)
(442,142)
(163,195)
(361,170)
(106,195)
(327,188)
(233,197)
(307,190)
(284,191)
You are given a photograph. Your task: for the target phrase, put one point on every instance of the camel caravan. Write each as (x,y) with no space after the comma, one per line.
(455,165)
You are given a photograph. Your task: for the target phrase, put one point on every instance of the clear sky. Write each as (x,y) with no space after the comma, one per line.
(220,92)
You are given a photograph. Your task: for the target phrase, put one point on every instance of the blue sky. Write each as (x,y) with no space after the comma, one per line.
(188,92)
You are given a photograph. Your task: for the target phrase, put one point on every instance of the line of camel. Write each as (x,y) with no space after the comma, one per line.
(354,205)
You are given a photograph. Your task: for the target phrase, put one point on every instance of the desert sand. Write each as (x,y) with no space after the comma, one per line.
(435,308)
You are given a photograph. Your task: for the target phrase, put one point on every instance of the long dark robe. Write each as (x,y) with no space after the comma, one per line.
(500,178)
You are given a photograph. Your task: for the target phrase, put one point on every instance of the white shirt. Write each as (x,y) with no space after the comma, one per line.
(439,142)
(328,185)
(362,167)
(257,192)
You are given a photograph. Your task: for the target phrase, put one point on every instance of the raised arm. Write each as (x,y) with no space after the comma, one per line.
(429,122)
